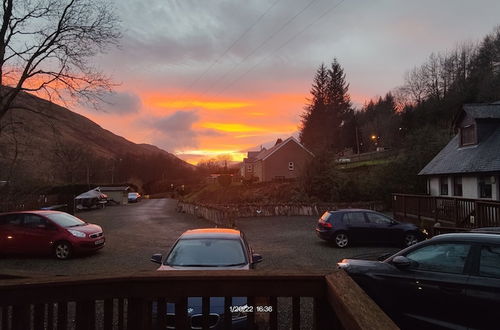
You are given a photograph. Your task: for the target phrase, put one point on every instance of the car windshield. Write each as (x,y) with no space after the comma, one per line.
(65,220)
(208,252)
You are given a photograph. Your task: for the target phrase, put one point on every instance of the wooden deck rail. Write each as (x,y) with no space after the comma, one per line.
(129,302)
(454,212)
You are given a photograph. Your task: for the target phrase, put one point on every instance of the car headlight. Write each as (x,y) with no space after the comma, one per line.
(76,233)
(343,264)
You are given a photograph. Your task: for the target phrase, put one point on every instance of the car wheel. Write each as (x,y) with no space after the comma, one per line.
(62,250)
(341,240)
(410,239)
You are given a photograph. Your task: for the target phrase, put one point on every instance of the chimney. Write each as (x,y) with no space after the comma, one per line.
(278,141)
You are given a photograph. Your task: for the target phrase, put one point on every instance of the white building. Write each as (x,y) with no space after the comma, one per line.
(469,166)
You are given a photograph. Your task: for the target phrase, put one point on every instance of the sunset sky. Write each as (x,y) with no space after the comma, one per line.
(200,78)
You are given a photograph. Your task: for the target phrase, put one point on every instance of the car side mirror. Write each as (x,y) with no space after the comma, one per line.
(401,262)
(256,258)
(156,258)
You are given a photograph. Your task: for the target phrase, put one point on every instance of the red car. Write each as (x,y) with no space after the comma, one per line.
(48,232)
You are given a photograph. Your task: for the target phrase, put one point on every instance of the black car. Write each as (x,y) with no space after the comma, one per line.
(358,225)
(450,281)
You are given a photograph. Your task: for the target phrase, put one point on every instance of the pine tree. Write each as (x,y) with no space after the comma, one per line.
(327,112)
(311,124)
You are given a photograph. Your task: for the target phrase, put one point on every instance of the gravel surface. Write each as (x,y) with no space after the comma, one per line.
(135,231)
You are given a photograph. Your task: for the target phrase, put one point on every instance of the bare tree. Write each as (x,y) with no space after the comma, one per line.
(45,46)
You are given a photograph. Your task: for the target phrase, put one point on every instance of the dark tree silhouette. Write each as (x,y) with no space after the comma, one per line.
(45,46)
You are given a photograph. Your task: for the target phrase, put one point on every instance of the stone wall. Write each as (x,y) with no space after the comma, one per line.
(225,215)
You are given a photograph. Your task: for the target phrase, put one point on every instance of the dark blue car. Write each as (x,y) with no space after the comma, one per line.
(344,227)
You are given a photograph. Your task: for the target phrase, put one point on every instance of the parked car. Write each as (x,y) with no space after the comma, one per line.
(344,227)
(449,281)
(209,249)
(48,232)
(487,230)
(134,197)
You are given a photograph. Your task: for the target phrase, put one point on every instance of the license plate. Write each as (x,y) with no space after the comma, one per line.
(99,241)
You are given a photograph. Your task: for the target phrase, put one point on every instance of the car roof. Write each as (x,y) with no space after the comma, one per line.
(225,233)
(33,211)
(492,230)
(469,237)
(352,210)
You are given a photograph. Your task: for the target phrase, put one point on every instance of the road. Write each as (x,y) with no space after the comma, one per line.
(135,231)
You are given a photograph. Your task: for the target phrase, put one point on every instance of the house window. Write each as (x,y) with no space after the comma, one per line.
(249,168)
(457,186)
(291,166)
(467,135)
(443,185)
(485,185)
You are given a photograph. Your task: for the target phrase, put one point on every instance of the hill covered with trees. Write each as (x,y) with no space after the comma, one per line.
(413,119)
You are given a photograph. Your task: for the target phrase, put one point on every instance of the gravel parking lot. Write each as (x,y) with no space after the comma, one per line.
(135,231)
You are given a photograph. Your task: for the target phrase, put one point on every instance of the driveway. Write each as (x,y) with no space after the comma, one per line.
(135,231)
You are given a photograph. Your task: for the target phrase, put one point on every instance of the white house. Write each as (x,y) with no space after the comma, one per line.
(469,166)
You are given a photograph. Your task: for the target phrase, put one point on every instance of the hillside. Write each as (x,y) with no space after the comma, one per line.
(48,143)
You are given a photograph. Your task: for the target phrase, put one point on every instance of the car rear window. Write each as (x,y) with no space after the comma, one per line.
(207,252)
(330,217)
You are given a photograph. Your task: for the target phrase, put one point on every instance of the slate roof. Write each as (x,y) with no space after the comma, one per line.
(266,153)
(483,157)
(483,111)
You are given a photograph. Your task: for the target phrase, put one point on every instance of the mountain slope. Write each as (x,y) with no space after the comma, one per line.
(47,142)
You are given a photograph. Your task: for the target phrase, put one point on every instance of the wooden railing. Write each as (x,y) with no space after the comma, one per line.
(315,300)
(447,211)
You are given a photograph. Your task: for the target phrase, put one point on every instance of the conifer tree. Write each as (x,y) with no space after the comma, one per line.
(327,111)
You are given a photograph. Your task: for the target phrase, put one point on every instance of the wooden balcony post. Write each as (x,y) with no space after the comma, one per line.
(39,315)
(273,319)
(85,315)
(324,316)
(20,317)
(62,315)
(456,212)
(205,310)
(418,212)
(136,314)
(404,206)
(295,313)
(161,313)
(435,209)
(108,314)
(181,315)
(228,301)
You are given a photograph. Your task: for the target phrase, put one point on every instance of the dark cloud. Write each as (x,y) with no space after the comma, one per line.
(171,43)
(176,132)
(121,103)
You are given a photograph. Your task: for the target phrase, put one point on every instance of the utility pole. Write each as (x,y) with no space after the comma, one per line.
(357,140)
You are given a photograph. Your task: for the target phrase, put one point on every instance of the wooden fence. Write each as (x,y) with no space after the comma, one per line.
(135,301)
(447,211)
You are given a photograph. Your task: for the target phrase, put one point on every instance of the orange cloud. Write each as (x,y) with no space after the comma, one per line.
(194,102)
(233,128)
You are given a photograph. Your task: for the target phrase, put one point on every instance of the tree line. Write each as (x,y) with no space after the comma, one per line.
(413,119)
